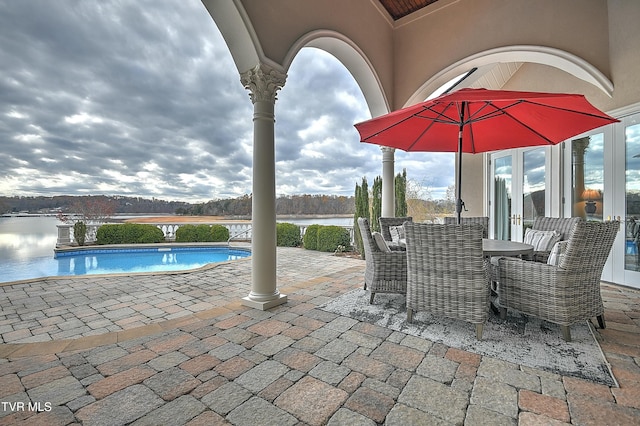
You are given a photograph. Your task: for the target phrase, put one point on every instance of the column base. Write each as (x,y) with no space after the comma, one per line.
(263,305)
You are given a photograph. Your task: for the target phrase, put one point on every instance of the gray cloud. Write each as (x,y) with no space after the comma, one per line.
(142,98)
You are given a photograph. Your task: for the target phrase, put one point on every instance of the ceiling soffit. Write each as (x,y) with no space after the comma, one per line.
(400,8)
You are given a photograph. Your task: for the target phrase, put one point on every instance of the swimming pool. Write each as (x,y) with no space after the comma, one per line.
(117,260)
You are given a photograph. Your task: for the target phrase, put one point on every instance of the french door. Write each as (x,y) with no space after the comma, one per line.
(604,184)
(519,191)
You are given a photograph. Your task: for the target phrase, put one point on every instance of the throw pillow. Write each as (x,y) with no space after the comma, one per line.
(557,253)
(397,233)
(381,243)
(541,240)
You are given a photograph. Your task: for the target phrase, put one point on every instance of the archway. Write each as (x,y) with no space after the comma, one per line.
(556,58)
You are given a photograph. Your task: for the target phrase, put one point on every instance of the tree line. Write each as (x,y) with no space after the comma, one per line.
(66,203)
(93,206)
(285,205)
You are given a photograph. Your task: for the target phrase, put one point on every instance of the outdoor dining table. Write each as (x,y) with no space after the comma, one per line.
(505,248)
(492,248)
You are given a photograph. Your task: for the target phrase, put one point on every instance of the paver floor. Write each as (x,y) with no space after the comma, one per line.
(179,348)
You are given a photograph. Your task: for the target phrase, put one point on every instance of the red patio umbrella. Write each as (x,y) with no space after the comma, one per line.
(481,120)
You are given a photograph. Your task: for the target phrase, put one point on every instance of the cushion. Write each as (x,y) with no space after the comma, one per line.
(541,240)
(381,243)
(397,233)
(557,253)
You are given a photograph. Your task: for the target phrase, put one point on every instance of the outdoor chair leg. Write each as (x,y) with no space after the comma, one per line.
(503,313)
(479,331)
(371,298)
(601,322)
(409,315)
(566,332)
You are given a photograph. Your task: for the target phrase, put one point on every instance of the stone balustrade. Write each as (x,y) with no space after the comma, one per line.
(238,231)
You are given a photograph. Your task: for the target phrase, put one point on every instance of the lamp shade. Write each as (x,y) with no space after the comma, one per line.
(591,194)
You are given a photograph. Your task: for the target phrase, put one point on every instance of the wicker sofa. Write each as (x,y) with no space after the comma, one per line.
(446,270)
(564,294)
(385,272)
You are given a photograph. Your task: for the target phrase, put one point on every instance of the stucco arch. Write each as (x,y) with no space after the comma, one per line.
(353,58)
(557,58)
(238,32)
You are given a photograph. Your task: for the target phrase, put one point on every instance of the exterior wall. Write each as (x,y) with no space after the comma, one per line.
(472,181)
(432,43)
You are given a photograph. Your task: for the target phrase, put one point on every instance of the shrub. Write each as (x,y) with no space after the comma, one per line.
(201,233)
(310,238)
(220,233)
(129,233)
(330,237)
(287,235)
(150,234)
(186,234)
(79,232)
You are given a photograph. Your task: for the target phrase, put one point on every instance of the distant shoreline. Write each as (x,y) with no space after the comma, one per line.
(209,219)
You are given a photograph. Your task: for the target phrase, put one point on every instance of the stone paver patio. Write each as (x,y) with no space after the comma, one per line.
(179,348)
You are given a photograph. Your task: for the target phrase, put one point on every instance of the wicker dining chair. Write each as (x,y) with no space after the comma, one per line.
(482,220)
(562,225)
(385,272)
(386,223)
(446,272)
(564,294)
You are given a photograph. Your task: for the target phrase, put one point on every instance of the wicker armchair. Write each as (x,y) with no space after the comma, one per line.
(446,272)
(563,294)
(384,272)
(386,223)
(563,225)
(482,220)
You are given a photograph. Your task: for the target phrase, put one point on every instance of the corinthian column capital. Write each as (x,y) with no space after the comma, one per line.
(263,82)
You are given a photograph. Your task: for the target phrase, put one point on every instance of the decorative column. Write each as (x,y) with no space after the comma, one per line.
(388,182)
(263,82)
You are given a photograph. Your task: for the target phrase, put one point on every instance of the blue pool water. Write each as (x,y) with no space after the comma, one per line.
(113,261)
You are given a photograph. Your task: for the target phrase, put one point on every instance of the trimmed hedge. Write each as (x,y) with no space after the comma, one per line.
(129,233)
(332,236)
(201,233)
(310,238)
(287,235)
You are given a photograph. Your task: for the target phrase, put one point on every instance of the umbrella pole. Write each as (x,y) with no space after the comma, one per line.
(459,202)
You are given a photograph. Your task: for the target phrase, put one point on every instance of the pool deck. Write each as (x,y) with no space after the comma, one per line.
(179,348)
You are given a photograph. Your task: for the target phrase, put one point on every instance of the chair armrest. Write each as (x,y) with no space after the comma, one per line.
(541,256)
(512,270)
(391,265)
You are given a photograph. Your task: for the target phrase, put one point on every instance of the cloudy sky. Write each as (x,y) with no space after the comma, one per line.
(142,98)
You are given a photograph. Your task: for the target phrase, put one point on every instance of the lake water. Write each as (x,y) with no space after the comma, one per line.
(24,239)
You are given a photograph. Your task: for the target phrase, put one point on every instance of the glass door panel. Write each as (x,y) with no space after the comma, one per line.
(587,177)
(519,191)
(631,225)
(533,185)
(502,177)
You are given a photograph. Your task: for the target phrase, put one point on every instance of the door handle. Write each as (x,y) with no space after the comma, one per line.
(519,217)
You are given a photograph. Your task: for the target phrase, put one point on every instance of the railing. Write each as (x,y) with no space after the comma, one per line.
(66,237)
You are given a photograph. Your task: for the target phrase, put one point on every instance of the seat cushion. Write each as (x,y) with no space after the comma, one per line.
(541,240)
(557,252)
(381,243)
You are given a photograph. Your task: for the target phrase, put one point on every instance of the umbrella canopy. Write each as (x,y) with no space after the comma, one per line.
(481,120)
